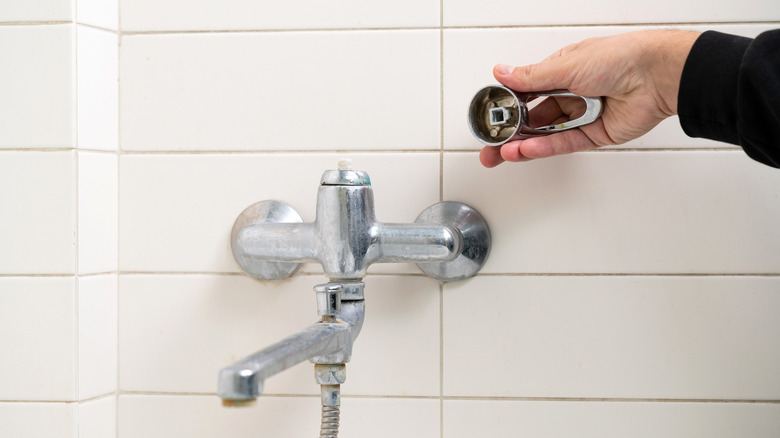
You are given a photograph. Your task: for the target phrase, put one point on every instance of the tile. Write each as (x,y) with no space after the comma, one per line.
(98,212)
(201,91)
(139,15)
(38,330)
(203,416)
(208,322)
(38,420)
(470,13)
(97,418)
(504,419)
(99,13)
(624,212)
(38,220)
(97,335)
(37,109)
(39,10)
(470,54)
(177,211)
(612,337)
(98,89)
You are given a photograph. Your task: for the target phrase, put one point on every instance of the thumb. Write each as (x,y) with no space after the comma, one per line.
(550,74)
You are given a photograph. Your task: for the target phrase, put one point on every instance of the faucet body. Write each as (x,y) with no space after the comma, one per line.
(449,241)
(345,237)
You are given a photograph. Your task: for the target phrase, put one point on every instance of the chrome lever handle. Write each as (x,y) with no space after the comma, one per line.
(498,114)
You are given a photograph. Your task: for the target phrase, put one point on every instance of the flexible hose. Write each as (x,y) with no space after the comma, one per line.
(330,422)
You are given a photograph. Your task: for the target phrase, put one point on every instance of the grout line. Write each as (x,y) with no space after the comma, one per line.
(474,398)
(441,150)
(92,26)
(67,149)
(491,274)
(442,27)
(76,235)
(281,151)
(441,359)
(37,275)
(98,397)
(118,153)
(33,23)
(609,149)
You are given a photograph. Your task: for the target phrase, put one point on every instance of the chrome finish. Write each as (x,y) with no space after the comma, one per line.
(326,342)
(345,237)
(328,299)
(264,212)
(498,114)
(475,236)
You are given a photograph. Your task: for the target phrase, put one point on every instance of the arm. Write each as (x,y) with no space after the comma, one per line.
(730,91)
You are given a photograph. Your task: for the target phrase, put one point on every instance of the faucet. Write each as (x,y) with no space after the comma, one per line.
(449,241)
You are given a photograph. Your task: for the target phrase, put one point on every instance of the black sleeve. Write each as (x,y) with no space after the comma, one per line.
(730,92)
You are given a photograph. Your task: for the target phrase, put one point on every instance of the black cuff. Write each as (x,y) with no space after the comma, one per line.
(707,99)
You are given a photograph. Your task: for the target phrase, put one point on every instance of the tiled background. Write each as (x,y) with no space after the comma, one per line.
(631,291)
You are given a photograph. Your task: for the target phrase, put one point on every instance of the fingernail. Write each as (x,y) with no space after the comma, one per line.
(505,69)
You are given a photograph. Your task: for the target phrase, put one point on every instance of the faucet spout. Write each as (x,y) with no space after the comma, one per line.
(244,379)
(327,342)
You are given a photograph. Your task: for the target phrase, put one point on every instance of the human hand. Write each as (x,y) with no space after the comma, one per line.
(637,73)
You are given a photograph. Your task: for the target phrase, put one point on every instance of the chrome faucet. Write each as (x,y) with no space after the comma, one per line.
(449,241)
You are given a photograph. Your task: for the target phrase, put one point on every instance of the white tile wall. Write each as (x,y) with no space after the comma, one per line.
(507,12)
(612,337)
(38,212)
(97,418)
(200,324)
(148,15)
(98,89)
(177,211)
(13,11)
(37,338)
(627,212)
(470,54)
(98,212)
(38,420)
(277,93)
(505,419)
(37,93)
(163,416)
(97,335)
(281,91)
(99,13)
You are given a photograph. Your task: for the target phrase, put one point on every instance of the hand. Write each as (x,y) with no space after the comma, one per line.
(637,73)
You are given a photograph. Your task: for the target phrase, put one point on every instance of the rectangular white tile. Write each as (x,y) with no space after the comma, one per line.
(613,337)
(37,223)
(39,10)
(98,212)
(470,54)
(99,13)
(293,417)
(97,418)
(98,89)
(625,212)
(37,338)
(139,15)
(507,12)
(281,91)
(38,420)
(97,335)
(200,324)
(177,211)
(505,419)
(37,109)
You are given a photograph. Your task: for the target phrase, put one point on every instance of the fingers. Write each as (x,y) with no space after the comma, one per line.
(490,156)
(550,74)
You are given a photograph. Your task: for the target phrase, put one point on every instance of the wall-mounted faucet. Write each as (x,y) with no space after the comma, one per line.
(449,241)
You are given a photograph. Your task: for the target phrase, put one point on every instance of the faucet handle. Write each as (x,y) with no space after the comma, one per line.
(476,240)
